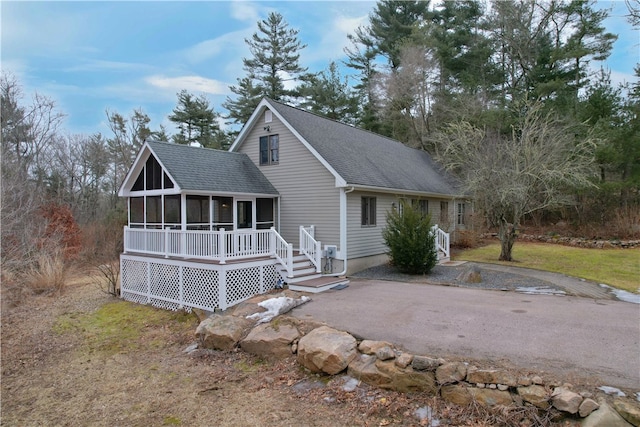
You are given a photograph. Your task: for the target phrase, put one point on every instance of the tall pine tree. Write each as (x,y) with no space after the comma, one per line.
(197,121)
(275,50)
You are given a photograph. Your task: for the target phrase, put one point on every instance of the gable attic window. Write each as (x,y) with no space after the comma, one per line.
(269,150)
(368,211)
(268,116)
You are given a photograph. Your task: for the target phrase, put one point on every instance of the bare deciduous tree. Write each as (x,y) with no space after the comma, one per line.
(510,176)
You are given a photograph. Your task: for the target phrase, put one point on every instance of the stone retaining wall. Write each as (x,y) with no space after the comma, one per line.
(578,242)
(322,349)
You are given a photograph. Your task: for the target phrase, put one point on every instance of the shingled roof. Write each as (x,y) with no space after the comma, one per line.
(363,158)
(205,169)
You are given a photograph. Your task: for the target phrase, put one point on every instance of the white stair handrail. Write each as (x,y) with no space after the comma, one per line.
(442,240)
(311,247)
(282,251)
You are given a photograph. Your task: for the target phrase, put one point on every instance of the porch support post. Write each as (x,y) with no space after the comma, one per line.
(290,260)
(222,244)
(318,257)
(148,282)
(166,242)
(126,243)
(272,241)
(181,286)
(222,289)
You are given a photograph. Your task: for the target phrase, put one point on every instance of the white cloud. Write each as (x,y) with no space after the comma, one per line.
(102,65)
(211,48)
(245,11)
(190,83)
(334,37)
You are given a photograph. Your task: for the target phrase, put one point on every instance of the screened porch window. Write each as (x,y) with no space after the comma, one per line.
(264,214)
(172,210)
(222,213)
(154,212)
(136,211)
(198,213)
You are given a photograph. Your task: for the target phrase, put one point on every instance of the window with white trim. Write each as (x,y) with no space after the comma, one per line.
(368,218)
(462,207)
(269,150)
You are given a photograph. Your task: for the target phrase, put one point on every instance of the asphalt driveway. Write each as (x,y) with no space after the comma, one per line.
(572,336)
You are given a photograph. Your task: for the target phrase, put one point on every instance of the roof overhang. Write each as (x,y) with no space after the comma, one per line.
(404,192)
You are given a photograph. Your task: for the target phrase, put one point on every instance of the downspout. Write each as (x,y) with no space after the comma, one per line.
(343,227)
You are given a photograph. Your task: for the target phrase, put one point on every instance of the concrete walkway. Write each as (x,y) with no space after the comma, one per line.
(593,339)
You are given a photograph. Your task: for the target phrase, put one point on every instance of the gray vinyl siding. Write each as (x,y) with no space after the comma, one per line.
(307,189)
(365,241)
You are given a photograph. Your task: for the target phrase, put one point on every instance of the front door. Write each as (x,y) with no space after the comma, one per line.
(244,219)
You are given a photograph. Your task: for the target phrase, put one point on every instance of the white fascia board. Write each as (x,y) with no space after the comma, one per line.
(136,168)
(249,125)
(340,182)
(404,192)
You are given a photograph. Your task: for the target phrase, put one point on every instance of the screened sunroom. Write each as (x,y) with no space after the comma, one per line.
(194,203)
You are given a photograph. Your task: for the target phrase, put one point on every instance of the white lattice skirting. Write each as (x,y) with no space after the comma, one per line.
(176,284)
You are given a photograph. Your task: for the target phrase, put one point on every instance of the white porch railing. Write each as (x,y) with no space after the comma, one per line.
(442,241)
(219,245)
(311,247)
(283,251)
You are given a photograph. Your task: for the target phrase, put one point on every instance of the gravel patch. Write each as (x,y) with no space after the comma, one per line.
(447,275)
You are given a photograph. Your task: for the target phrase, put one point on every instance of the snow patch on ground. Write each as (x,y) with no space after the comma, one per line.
(276,306)
(612,390)
(540,290)
(425,413)
(623,295)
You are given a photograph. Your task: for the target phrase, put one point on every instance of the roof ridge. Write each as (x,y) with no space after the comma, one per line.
(341,123)
(173,144)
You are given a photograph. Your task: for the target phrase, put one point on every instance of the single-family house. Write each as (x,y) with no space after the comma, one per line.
(297,199)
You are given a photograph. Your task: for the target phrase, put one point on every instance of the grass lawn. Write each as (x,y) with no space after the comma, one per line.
(619,268)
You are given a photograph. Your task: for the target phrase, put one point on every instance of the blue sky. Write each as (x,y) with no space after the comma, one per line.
(92,56)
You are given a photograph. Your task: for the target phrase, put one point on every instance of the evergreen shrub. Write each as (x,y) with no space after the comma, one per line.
(410,240)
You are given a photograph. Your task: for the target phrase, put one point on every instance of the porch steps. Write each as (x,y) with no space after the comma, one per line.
(306,279)
(317,285)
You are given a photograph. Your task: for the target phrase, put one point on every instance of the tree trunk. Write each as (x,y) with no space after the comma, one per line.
(507,234)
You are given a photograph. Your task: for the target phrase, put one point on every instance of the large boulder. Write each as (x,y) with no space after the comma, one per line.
(326,350)
(491,376)
(221,332)
(630,411)
(451,372)
(536,395)
(605,416)
(270,340)
(406,380)
(463,395)
(388,375)
(566,400)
